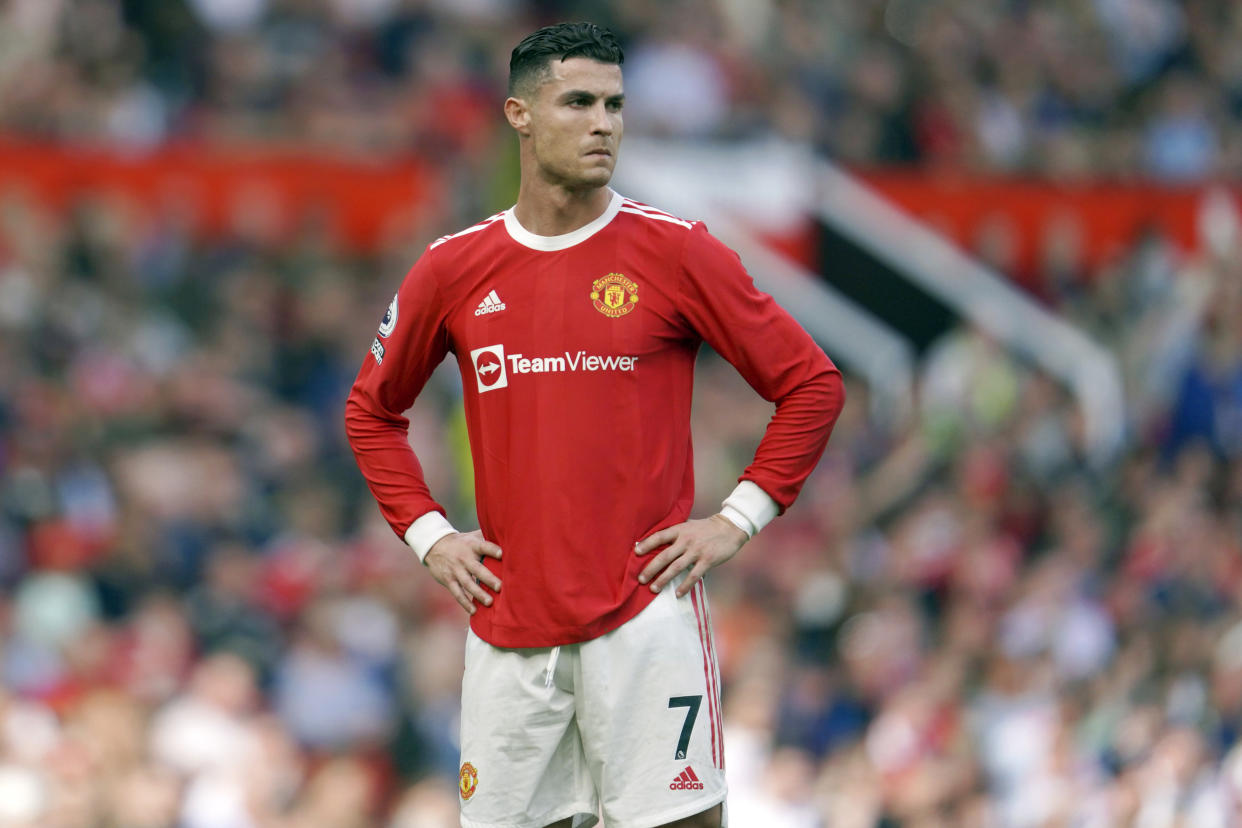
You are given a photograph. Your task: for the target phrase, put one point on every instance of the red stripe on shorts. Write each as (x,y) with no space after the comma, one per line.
(715,661)
(708,669)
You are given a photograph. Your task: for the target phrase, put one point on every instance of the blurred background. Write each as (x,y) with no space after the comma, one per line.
(1009,596)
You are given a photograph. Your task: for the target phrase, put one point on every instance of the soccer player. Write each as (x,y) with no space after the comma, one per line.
(591,683)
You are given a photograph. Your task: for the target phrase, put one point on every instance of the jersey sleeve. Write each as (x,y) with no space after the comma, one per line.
(773,353)
(411,342)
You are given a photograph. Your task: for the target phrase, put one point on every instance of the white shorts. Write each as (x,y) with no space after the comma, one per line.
(626,725)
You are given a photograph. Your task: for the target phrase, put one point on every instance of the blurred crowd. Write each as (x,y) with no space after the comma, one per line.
(1064,87)
(966,620)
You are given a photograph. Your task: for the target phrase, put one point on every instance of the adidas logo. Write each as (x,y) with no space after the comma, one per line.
(686,781)
(491,304)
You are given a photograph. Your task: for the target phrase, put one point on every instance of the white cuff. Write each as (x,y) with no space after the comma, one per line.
(424,532)
(749,508)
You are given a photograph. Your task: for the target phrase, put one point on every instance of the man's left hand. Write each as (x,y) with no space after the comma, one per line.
(697,545)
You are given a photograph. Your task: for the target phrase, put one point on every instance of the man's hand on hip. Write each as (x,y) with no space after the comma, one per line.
(456,561)
(697,545)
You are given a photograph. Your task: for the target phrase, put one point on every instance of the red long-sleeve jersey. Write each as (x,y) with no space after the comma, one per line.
(577,357)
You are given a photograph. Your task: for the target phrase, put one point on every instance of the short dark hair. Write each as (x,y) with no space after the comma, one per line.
(530,58)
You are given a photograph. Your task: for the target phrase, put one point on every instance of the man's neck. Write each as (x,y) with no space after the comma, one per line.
(549,210)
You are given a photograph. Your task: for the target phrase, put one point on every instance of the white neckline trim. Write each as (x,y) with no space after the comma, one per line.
(566,240)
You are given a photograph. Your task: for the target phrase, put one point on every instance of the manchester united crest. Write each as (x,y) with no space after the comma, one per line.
(614,295)
(467,780)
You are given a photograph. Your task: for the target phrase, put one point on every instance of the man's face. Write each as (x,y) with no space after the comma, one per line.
(575,122)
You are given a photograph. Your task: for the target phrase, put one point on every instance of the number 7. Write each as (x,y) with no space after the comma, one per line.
(692,704)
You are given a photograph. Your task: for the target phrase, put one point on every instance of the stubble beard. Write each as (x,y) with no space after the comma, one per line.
(579,180)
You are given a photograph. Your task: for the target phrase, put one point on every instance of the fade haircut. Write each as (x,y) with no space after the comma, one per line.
(528,65)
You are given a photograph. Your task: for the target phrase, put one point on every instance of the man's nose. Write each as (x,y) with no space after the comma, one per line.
(602,120)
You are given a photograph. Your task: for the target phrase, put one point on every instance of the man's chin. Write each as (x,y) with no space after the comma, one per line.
(601,173)
(597,177)
(584,179)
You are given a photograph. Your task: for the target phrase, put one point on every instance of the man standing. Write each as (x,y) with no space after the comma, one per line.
(591,682)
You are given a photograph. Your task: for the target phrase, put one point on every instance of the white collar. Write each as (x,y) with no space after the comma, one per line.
(566,240)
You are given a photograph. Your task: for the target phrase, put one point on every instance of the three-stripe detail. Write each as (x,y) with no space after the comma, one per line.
(483,225)
(637,208)
(711,672)
(628,205)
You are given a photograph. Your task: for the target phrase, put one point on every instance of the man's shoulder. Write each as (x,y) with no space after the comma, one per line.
(470,236)
(665,234)
(657,218)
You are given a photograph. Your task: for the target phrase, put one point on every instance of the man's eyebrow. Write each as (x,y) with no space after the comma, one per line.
(575,94)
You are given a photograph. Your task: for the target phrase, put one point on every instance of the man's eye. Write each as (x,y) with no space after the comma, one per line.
(614,106)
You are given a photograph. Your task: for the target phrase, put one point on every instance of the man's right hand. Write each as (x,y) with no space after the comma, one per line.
(456,561)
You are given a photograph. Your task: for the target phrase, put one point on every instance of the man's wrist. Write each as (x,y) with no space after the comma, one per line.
(749,508)
(731,522)
(425,531)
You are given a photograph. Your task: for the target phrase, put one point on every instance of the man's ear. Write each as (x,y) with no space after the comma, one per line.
(518,115)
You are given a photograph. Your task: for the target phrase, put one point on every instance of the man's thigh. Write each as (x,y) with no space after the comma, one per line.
(710,818)
(648,710)
(522,759)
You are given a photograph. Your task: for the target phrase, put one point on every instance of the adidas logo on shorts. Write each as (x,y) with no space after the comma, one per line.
(686,781)
(491,304)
